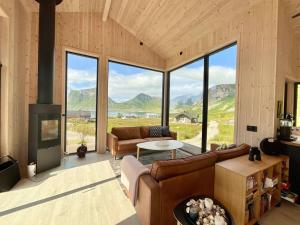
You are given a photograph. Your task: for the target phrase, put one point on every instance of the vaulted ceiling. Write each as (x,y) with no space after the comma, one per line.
(168,26)
(293,8)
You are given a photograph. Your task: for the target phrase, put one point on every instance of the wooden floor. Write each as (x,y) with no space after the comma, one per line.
(83,192)
(86,192)
(287,214)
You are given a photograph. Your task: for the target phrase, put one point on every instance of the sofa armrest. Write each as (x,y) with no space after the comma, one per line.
(173,135)
(112,143)
(148,201)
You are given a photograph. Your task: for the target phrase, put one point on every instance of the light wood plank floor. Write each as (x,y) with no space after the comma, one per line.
(83,192)
(287,214)
(86,192)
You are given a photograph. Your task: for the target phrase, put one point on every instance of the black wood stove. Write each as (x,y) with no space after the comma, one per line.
(44,146)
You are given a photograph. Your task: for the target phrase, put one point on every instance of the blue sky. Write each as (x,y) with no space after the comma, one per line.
(82,72)
(125,82)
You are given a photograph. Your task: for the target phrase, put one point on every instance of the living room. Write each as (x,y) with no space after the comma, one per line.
(94,92)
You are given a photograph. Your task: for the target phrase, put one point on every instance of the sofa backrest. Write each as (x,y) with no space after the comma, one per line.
(145,130)
(164,169)
(127,133)
(181,178)
(232,153)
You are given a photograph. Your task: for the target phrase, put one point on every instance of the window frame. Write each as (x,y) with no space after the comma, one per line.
(66,97)
(296,84)
(163,82)
(205,91)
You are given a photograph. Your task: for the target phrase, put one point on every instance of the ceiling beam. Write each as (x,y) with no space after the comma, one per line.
(106,10)
(122,9)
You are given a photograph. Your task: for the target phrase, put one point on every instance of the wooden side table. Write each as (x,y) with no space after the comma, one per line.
(231,178)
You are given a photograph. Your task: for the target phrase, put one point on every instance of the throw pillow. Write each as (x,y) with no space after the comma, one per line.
(165,131)
(155,131)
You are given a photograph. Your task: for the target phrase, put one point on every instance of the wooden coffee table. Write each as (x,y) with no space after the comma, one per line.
(166,145)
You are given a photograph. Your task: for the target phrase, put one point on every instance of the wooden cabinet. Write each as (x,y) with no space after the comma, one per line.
(240,186)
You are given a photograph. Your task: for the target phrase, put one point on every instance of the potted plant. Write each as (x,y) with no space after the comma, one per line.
(81,130)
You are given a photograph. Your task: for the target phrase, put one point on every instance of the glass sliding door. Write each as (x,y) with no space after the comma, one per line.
(186,93)
(80,102)
(221,96)
(134,96)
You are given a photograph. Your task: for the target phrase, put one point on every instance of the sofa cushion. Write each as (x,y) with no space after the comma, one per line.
(126,133)
(158,138)
(145,132)
(129,145)
(155,131)
(165,131)
(232,153)
(164,169)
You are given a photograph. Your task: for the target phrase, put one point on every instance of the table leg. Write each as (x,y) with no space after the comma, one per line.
(174,154)
(138,153)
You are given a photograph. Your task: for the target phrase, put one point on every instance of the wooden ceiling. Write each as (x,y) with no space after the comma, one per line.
(70,5)
(168,26)
(293,7)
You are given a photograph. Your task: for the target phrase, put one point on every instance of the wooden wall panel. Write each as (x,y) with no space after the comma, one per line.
(256,33)
(86,33)
(14,96)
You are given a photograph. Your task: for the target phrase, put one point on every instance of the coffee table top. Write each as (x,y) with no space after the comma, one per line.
(161,145)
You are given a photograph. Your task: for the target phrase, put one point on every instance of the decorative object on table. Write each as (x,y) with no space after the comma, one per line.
(271,146)
(9,173)
(285,130)
(254,154)
(204,211)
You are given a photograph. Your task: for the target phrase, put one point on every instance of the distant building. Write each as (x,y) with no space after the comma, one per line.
(129,116)
(82,114)
(152,115)
(186,117)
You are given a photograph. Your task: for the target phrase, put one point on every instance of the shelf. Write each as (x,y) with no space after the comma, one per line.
(269,190)
(252,190)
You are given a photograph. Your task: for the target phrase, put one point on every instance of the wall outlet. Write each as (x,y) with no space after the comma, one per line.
(252,128)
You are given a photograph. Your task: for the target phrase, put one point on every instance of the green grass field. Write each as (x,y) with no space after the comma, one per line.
(220,112)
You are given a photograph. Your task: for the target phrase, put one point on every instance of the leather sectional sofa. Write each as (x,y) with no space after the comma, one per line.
(123,140)
(172,181)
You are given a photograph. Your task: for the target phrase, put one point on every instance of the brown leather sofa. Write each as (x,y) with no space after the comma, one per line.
(172,181)
(123,140)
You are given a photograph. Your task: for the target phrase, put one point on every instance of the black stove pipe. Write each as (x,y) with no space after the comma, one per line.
(46,50)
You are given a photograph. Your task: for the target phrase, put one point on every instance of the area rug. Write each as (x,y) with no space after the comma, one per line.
(148,157)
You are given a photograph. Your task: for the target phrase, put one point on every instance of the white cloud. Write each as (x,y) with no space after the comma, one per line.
(189,81)
(221,75)
(81,79)
(123,87)
(185,81)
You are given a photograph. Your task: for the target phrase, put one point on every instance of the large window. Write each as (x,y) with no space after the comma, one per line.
(81,102)
(134,96)
(221,97)
(297,104)
(202,99)
(186,91)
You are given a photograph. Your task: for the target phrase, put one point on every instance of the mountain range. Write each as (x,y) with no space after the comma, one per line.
(85,100)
